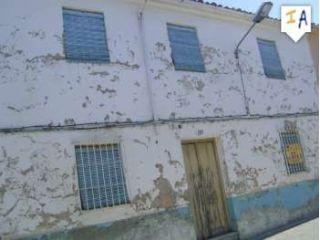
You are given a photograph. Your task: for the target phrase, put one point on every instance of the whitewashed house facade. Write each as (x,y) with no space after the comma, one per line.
(107,123)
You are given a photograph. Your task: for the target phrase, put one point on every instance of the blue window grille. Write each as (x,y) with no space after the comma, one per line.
(186,54)
(270,59)
(85,36)
(101,176)
(292,149)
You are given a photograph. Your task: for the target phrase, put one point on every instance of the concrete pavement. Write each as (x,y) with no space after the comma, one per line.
(305,231)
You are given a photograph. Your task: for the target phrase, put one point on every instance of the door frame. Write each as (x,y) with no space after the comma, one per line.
(214,141)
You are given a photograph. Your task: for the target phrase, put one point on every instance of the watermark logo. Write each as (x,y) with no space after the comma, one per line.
(295,21)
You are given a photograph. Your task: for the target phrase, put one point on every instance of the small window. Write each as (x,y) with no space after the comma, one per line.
(85,36)
(270,59)
(292,149)
(101,176)
(185,48)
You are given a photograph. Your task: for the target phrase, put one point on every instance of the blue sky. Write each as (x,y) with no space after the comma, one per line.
(253,5)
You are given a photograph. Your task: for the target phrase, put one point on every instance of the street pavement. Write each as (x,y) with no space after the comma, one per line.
(305,231)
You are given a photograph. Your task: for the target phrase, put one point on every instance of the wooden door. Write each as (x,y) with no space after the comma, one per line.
(205,188)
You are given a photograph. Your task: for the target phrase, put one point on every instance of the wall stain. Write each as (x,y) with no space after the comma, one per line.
(111,92)
(140,142)
(171,161)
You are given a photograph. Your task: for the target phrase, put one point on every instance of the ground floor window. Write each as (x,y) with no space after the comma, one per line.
(292,149)
(101,176)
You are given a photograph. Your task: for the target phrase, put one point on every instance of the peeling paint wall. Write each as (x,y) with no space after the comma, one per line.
(38,86)
(313,39)
(37,79)
(218,92)
(261,212)
(39,189)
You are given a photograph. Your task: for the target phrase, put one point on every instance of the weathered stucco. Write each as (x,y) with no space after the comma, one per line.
(218,91)
(32,62)
(40,88)
(39,190)
(36,78)
(172,224)
(253,212)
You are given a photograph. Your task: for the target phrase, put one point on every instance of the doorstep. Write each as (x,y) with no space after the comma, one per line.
(227,236)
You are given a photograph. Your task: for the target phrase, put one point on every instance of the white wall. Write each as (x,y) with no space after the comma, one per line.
(39,188)
(39,87)
(220,92)
(38,182)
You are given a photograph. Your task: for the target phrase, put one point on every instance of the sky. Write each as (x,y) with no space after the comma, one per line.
(253,5)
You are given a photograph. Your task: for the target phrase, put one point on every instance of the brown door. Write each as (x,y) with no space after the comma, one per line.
(205,188)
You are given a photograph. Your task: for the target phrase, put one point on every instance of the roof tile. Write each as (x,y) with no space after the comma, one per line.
(214,4)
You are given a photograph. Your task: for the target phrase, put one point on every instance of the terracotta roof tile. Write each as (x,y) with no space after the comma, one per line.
(226,7)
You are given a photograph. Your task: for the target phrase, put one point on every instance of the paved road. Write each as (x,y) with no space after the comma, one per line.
(305,231)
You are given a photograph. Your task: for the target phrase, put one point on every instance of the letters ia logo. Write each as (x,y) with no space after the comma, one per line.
(295,21)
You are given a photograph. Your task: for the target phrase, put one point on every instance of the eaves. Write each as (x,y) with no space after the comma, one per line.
(205,10)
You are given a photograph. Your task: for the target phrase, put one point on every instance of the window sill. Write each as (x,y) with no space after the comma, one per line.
(188,70)
(107,214)
(69,60)
(104,209)
(275,78)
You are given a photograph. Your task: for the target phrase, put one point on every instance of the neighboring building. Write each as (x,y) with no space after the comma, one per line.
(313,38)
(127,120)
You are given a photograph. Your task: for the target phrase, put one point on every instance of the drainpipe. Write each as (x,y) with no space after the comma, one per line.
(236,54)
(145,57)
(261,14)
(245,99)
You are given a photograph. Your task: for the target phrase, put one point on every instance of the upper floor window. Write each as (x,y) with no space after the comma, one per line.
(101,176)
(270,59)
(186,54)
(85,36)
